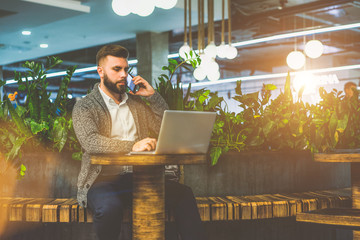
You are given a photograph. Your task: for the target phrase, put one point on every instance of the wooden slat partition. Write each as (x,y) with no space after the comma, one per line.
(51,210)
(229,208)
(33,212)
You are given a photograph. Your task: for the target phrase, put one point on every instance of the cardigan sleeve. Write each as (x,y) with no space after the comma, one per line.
(88,134)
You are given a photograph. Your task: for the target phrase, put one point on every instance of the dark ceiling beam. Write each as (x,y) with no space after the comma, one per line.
(240,19)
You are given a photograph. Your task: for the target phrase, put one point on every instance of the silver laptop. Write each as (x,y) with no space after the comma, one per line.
(184,132)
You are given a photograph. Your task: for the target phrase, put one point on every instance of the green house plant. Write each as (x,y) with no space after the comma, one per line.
(39,124)
(265,124)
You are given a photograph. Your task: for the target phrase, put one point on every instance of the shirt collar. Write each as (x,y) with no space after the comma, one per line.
(109,101)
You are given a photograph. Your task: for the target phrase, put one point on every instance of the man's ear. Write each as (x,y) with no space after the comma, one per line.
(100,71)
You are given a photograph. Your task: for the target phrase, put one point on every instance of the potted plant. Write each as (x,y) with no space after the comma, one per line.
(32,133)
(265,148)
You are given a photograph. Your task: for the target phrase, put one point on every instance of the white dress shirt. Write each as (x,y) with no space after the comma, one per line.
(122,127)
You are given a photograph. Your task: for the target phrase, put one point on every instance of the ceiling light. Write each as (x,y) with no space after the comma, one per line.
(213,75)
(231,52)
(122,7)
(210,50)
(269,76)
(199,73)
(221,50)
(166,4)
(184,51)
(314,49)
(212,65)
(145,7)
(295,60)
(44,45)
(297,34)
(72,5)
(26,33)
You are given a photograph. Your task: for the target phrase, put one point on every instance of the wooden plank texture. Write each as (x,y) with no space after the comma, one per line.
(229,208)
(33,211)
(50,211)
(337,157)
(333,216)
(146,160)
(204,205)
(67,211)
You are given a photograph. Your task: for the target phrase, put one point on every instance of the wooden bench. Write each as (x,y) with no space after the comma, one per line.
(340,217)
(229,208)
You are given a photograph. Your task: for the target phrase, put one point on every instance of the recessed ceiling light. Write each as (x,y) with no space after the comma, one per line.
(44,45)
(26,33)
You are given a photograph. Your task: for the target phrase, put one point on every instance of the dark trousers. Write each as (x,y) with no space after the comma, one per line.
(109,196)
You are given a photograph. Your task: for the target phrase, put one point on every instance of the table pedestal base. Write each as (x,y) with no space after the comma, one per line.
(148,203)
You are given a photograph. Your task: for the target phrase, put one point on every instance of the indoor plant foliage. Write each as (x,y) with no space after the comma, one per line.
(262,124)
(39,124)
(335,122)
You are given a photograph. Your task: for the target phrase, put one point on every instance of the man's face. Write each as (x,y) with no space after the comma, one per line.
(113,72)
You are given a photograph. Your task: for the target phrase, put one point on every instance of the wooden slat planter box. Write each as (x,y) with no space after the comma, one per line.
(253,173)
(229,208)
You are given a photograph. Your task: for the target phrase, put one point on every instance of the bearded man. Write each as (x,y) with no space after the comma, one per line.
(110,120)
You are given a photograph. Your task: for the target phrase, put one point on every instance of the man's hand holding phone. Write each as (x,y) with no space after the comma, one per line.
(139,86)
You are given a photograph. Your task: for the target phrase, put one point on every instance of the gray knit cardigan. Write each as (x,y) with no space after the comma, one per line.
(92,125)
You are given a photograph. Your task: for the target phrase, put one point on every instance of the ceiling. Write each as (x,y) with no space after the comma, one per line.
(75,30)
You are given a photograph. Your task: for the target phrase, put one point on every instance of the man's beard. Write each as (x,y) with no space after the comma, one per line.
(114,87)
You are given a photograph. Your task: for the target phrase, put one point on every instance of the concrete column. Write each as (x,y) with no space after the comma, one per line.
(152,50)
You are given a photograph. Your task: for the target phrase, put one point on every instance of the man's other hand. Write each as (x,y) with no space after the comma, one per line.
(145,90)
(147,144)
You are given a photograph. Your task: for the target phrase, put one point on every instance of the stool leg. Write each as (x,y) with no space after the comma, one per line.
(148,203)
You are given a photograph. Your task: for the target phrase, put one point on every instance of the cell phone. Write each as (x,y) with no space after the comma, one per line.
(130,84)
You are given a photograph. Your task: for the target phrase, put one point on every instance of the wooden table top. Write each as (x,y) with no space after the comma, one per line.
(337,157)
(144,160)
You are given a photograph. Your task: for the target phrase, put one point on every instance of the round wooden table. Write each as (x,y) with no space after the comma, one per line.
(148,211)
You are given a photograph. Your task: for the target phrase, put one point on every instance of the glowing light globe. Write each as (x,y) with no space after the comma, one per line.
(205,59)
(210,50)
(212,66)
(165,4)
(314,49)
(213,75)
(231,52)
(184,49)
(295,60)
(122,7)
(221,50)
(144,7)
(199,73)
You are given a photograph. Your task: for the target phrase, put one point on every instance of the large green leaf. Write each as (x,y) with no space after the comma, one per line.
(38,127)
(15,148)
(215,153)
(60,132)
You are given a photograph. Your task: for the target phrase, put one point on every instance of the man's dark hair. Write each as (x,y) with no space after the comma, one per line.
(113,50)
(349,85)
